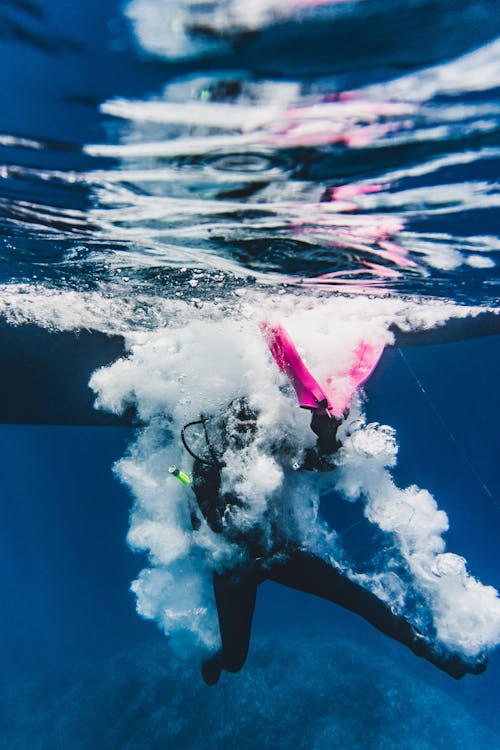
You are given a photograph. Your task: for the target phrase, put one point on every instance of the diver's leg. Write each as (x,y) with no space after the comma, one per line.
(235,593)
(306,572)
(211,668)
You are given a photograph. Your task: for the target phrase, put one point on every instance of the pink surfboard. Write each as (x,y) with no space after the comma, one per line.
(310,394)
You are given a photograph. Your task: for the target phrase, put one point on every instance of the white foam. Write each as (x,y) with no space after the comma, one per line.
(466,613)
(112,311)
(199,364)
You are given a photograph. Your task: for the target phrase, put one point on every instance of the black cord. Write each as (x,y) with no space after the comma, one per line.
(216,461)
(203,422)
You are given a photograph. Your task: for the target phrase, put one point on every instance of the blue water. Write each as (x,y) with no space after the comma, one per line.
(84,213)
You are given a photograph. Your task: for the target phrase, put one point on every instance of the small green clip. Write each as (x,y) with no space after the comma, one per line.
(181,476)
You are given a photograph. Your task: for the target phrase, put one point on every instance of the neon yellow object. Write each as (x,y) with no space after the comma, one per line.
(181,476)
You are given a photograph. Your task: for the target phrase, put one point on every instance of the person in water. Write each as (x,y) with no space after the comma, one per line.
(270,552)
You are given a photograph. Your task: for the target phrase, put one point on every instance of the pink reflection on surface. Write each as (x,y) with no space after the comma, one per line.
(369,238)
(345,120)
(372,235)
(345,192)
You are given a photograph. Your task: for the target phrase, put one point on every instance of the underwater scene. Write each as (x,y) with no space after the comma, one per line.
(249,330)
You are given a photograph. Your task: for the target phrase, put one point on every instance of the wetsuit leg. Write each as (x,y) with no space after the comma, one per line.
(306,572)
(235,593)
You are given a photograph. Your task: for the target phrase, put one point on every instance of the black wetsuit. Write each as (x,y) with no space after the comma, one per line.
(287,563)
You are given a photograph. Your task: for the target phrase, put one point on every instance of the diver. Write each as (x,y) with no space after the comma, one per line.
(270,549)
(269,552)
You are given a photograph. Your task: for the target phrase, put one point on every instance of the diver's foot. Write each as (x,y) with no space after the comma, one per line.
(454,664)
(458,666)
(211,669)
(478,664)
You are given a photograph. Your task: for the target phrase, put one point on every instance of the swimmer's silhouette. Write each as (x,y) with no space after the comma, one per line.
(270,551)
